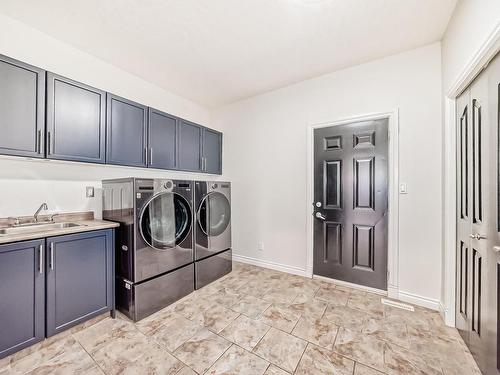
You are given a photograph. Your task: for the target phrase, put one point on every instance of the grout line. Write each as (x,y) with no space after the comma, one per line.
(90,355)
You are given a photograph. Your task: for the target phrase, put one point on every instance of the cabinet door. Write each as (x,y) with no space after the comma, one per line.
(189,146)
(22,285)
(79,278)
(22,108)
(212,151)
(162,134)
(126,132)
(76,119)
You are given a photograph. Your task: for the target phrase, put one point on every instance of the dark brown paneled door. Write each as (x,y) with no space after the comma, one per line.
(477,259)
(350,202)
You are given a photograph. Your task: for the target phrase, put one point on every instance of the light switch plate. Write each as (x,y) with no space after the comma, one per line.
(89,191)
(403,189)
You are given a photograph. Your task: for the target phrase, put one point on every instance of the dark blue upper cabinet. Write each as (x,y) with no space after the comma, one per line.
(162,134)
(22,295)
(79,278)
(190,146)
(126,124)
(212,151)
(76,121)
(22,109)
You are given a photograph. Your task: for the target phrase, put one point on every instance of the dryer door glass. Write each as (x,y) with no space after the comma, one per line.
(214,214)
(165,221)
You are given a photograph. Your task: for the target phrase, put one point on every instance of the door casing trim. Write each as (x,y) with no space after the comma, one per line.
(393,192)
(477,63)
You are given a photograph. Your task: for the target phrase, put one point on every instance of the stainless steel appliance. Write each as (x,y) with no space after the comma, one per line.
(213,256)
(154,244)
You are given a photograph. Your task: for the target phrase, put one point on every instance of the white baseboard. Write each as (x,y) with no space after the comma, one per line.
(392,292)
(271,265)
(415,299)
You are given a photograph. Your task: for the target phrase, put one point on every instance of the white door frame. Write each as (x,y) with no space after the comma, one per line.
(393,193)
(479,61)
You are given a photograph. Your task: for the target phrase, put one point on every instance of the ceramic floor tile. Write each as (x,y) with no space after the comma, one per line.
(280,295)
(251,306)
(281,317)
(186,371)
(76,363)
(134,355)
(102,333)
(155,321)
(418,319)
(332,295)
(226,297)
(275,370)
(317,331)
(308,306)
(305,286)
(215,318)
(202,350)
(346,317)
(395,342)
(321,361)
(238,361)
(175,331)
(361,348)
(281,349)
(256,288)
(390,331)
(401,361)
(44,355)
(367,302)
(245,332)
(360,369)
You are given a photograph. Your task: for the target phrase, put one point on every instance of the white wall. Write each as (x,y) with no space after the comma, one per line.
(25,184)
(470,26)
(266,151)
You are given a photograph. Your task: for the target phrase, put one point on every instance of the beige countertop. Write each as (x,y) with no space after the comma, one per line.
(87,224)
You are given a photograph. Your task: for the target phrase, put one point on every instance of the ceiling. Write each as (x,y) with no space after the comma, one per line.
(215,52)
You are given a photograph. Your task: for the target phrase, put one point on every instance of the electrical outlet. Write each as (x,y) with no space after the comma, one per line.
(89,191)
(260,246)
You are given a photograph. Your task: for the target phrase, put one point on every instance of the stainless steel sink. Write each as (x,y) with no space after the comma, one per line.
(37,227)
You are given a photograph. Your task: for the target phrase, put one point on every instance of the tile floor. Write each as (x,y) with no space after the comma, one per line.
(257,321)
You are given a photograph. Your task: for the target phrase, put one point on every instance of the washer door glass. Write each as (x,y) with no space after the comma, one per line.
(165,221)
(214,214)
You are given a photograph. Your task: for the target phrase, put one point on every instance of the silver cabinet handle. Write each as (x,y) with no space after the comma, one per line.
(40,259)
(52,256)
(151,155)
(146,154)
(320,216)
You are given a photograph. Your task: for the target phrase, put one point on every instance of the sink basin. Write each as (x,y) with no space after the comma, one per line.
(37,227)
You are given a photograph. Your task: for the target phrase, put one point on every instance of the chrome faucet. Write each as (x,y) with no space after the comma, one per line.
(42,207)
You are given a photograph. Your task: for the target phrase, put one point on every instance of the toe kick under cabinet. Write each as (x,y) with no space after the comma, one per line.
(51,284)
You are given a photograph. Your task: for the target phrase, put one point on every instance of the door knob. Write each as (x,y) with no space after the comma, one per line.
(477,236)
(496,249)
(320,216)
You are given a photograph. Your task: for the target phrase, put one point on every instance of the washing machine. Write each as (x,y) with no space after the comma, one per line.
(154,243)
(213,254)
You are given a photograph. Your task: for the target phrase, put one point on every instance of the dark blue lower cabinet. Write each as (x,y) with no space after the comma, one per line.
(22,295)
(52,284)
(80,277)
